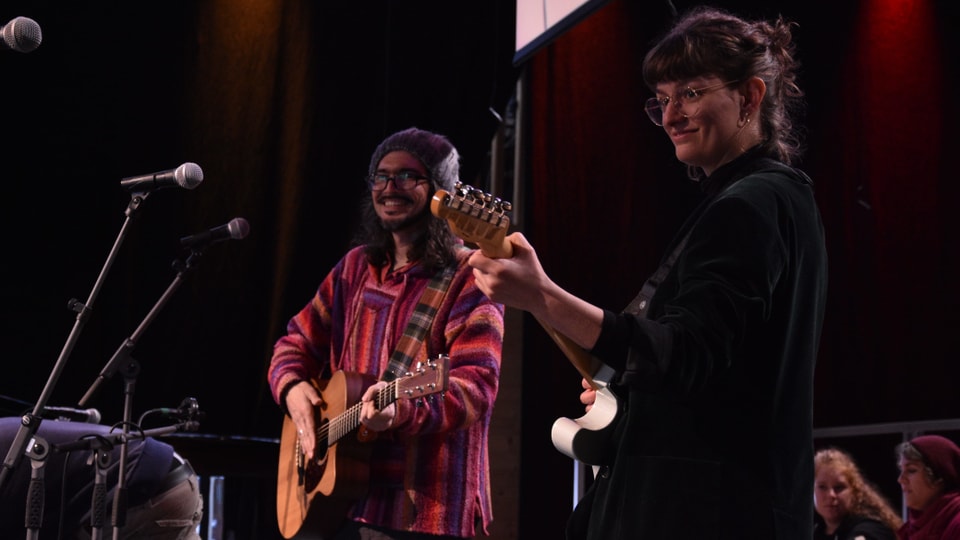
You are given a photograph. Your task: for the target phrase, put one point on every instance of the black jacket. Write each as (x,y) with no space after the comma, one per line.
(716,377)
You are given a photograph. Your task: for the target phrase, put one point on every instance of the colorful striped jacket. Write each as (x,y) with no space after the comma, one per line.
(430,471)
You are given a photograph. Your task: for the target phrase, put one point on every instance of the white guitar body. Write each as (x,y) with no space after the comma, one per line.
(586,438)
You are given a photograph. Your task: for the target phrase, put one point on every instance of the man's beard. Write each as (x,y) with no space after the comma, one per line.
(410,222)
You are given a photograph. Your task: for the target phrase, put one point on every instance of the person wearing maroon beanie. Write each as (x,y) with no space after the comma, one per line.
(930,480)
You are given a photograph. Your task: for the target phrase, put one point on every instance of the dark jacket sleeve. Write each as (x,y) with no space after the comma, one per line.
(720,289)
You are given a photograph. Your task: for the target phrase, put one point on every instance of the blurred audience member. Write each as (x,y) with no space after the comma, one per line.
(848,506)
(930,479)
(163,499)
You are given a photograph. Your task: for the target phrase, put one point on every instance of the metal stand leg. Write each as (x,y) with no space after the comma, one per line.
(37,451)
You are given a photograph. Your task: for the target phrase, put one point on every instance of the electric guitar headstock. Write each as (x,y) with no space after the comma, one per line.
(477,217)
(482,219)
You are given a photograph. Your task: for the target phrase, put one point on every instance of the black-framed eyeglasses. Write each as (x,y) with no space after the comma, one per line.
(403,180)
(656,106)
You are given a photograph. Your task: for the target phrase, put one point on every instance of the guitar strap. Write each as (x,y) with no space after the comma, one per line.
(640,304)
(419,323)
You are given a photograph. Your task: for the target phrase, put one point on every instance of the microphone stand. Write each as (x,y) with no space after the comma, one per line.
(101,460)
(31,421)
(122,355)
(130,368)
(33,520)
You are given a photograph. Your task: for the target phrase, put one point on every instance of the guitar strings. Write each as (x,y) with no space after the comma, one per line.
(350,419)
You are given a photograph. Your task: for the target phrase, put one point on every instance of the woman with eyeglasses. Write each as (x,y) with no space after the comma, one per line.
(713,363)
(930,480)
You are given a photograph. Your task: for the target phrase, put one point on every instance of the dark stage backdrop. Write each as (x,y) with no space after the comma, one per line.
(281,104)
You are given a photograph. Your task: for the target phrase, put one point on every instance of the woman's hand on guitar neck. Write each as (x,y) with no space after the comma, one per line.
(511,275)
(589,395)
(520,282)
(302,400)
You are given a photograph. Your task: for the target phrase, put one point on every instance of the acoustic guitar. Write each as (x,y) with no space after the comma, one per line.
(313,498)
(480,218)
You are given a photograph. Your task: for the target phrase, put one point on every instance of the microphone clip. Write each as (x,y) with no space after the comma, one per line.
(187,413)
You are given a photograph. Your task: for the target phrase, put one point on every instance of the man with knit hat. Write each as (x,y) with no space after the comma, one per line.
(930,480)
(428,469)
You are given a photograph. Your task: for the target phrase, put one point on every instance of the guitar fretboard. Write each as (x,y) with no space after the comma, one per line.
(349,420)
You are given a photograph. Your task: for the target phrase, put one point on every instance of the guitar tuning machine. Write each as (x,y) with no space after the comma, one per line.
(432,398)
(461,189)
(498,206)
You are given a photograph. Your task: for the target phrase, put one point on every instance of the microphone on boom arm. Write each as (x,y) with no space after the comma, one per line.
(236,229)
(187,176)
(89,416)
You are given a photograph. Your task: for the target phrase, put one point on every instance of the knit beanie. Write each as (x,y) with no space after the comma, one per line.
(434,151)
(942,455)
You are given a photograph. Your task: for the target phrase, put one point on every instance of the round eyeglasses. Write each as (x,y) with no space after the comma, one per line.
(656,106)
(403,180)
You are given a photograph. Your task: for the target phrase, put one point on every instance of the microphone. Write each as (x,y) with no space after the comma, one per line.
(90,416)
(187,176)
(189,410)
(237,229)
(21,35)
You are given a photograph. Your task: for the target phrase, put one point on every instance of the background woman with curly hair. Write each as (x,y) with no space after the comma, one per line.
(848,506)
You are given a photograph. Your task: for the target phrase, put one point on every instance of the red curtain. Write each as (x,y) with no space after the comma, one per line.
(605,194)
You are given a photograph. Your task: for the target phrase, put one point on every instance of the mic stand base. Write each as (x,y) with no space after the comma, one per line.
(37,451)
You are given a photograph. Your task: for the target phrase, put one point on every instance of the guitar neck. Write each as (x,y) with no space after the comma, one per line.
(481,218)
(349,420)
(581,360)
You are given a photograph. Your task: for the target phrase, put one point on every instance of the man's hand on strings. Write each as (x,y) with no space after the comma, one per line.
(370,417)
(302,400)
